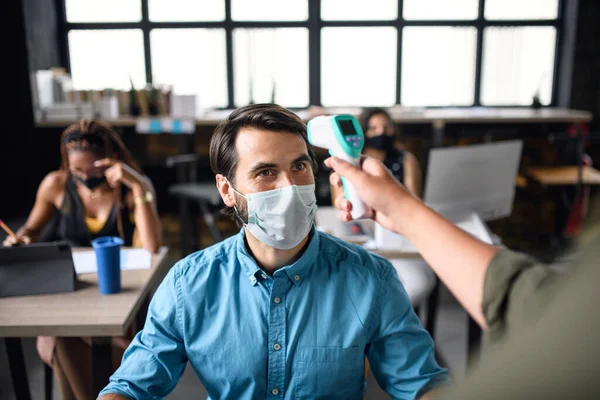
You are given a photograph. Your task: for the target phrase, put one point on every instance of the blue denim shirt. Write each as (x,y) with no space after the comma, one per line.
(302,333)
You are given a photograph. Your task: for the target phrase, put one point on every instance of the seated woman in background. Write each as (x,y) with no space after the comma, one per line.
(99,191)
(381,143)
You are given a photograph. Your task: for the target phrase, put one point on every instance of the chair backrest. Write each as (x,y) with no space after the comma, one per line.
(180,162)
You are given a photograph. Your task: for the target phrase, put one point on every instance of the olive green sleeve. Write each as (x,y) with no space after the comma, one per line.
(555,355)
(516,289)
(550,321)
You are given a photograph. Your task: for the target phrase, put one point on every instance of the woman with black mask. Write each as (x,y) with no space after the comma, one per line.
(381,143)
(99,190)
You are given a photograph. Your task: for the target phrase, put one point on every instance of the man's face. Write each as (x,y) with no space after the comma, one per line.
(269,160)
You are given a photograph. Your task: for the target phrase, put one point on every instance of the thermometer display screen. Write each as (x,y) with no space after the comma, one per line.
(347,127)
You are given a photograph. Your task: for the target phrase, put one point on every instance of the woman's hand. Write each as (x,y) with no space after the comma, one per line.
(117,172)
(19,239)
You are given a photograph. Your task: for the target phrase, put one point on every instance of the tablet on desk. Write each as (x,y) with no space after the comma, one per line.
(38,268)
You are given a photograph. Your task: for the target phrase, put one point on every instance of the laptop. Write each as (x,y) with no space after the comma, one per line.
(468,185)
(478,178)
(38,268)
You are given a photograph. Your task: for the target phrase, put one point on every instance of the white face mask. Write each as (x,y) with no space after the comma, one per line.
(281,218)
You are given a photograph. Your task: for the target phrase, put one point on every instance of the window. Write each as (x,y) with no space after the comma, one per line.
(186,10)
(269,10)
(431,53)
(93,55)
(353,10)
(271,65)
(438,66)
(354,69)
(517,63)
(517,9)
(440,10)
(103,11)
(193,61)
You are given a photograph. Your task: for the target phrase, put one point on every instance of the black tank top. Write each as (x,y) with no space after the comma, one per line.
(394,161)
(68,223)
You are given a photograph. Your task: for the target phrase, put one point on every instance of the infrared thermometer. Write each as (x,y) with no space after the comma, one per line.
(343,137)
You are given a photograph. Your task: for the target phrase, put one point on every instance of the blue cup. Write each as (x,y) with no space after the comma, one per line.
(108,259)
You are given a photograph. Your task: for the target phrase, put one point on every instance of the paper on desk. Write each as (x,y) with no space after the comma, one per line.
(85,261)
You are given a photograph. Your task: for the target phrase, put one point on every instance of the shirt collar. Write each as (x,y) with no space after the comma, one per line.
(295,272)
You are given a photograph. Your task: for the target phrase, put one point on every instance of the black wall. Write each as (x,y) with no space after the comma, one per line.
(17,159)
(30,42)
(41,31)
(585,92)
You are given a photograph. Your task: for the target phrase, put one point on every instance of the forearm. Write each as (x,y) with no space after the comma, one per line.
(39,217)
(413,187)
(33,234)
(32,229)
(459,260)
(147,220)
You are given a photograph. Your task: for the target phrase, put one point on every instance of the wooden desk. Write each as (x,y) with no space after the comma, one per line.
(564,176)
(84,312)
(520,181)
(491,115)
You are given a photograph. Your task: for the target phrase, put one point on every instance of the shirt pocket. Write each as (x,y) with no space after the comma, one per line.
(329,373)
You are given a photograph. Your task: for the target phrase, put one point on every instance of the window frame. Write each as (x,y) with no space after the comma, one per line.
(314,24)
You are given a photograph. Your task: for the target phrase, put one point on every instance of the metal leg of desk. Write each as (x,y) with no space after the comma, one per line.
(579,155)
(194,233)
(48,382)
(101,364)
(184,229)
(439,133)
(432,306)
(189,227)
(210,221)
(18,372)
(140,318)
(474,343)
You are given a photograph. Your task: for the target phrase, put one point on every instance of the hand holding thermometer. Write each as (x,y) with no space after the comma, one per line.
(343,137)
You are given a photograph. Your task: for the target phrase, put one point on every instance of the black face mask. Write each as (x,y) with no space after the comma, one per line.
(381,142)
(91,183)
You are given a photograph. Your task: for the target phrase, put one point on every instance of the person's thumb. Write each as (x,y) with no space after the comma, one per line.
(345,169)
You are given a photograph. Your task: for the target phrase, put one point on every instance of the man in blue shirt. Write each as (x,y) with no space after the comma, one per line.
(279,311)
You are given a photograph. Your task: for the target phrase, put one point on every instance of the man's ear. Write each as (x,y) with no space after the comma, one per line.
(223,186)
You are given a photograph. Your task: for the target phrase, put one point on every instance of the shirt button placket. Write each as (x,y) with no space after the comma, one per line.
(277,335)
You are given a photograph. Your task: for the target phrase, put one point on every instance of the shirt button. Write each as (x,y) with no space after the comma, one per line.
(264,276)
(277,300)
(296,278)
(275,392)
(277,346)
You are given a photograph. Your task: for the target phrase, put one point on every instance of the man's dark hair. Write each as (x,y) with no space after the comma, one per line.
(270,117)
